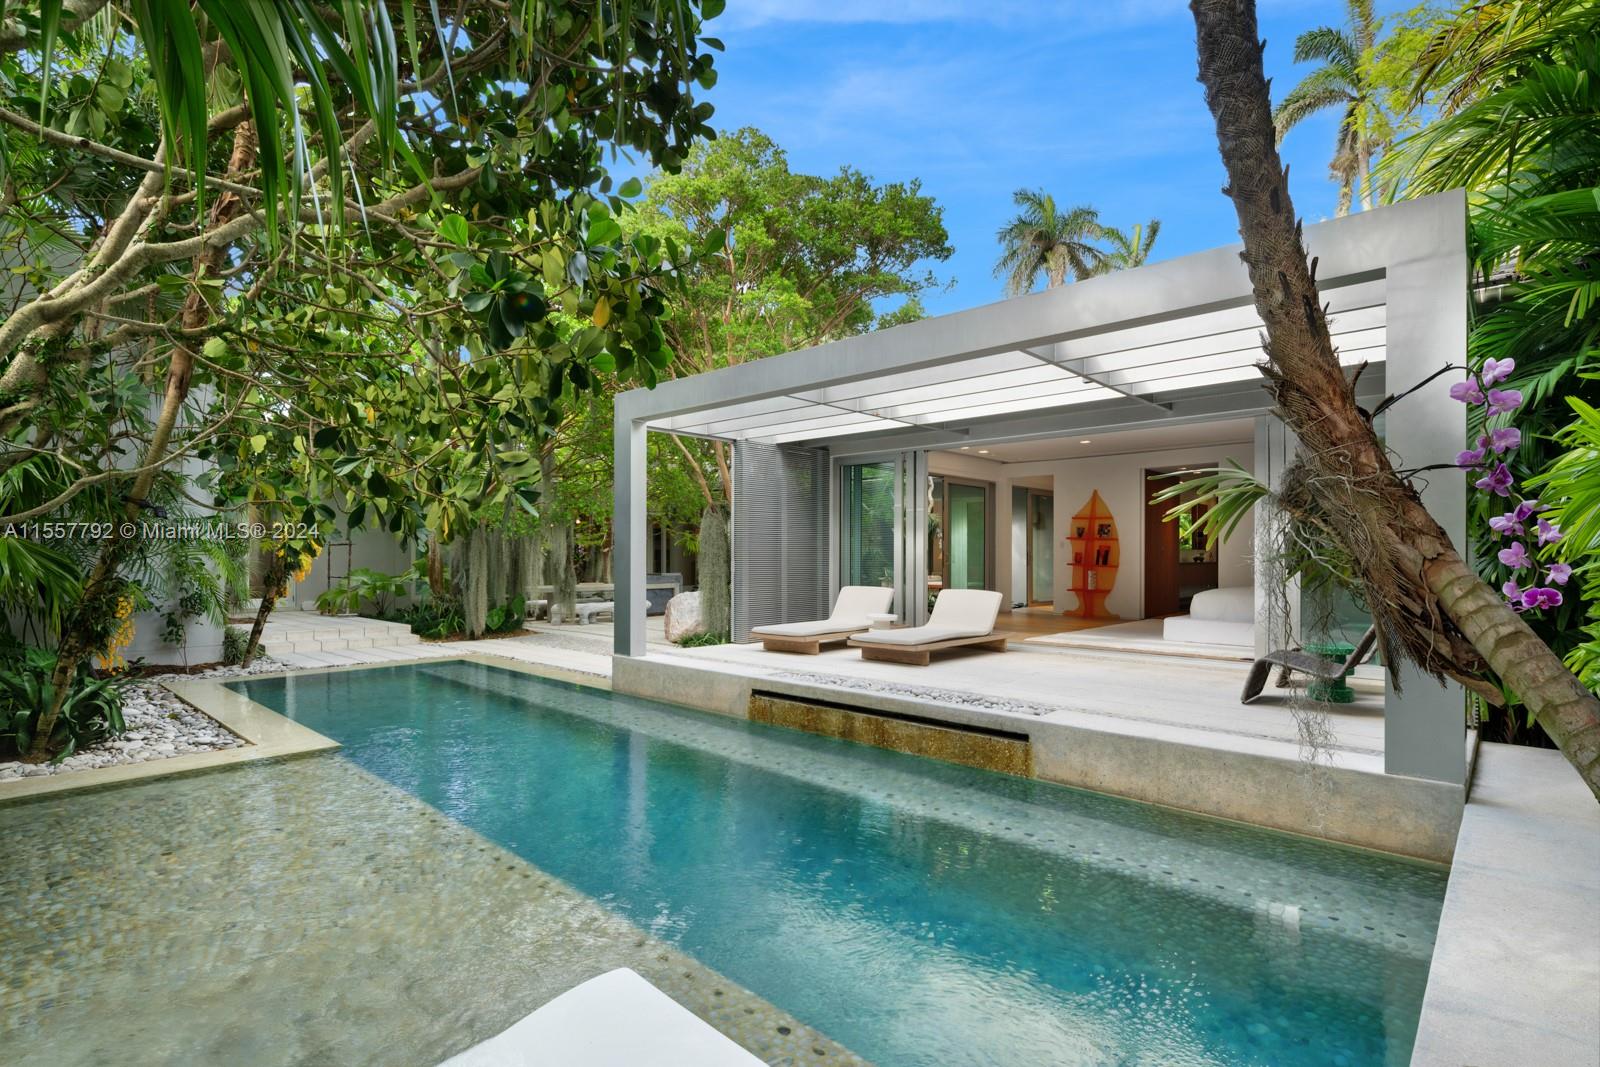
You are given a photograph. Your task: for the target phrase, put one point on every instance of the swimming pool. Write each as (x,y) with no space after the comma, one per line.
(918,912)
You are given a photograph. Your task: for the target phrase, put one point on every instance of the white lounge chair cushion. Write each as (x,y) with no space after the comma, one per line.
(859,601)
(918,635)
(810,629)
(615,1020)
(956,613)
(850,611)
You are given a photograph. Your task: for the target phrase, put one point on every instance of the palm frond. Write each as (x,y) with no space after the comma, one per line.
(1329,44)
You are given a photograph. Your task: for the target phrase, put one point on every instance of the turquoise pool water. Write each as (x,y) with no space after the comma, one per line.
(920,913)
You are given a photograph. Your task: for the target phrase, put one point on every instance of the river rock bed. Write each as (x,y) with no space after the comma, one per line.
(159,725)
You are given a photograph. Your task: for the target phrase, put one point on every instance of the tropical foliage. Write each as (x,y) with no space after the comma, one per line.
(365,246)
(1042,240)
(1344,82)
(88,712)
(800,259)
(1521,131)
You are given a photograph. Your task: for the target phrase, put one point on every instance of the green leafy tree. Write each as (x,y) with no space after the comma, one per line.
(798,259)
(357,225)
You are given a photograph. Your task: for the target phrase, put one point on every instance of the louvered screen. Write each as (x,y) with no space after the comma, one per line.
(780,535)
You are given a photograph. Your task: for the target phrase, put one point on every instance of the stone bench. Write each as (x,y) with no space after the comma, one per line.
(586,610)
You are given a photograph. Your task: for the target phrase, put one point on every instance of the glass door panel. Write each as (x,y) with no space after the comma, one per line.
(1041,553)
(967,539)
(867,523)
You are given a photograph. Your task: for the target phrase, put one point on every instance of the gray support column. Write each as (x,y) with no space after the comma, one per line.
(1424,725)
(630,534)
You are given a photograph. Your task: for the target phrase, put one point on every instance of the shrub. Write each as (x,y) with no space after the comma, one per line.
(508,616)
(234,641)
(91,713)
(719,637)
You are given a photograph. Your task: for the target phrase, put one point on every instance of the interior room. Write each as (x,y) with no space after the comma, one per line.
(1064,527)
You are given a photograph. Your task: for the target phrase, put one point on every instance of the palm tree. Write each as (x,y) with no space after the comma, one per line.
(1128,249)
(1042,239)
(1340,83)
(1434,608)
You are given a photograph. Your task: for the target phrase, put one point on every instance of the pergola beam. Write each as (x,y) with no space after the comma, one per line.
(1075,367)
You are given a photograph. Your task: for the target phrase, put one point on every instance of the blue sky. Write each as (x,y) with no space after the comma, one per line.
(1095,102)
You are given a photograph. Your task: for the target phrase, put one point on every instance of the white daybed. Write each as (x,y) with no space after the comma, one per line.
(615,1020)
(1225,616)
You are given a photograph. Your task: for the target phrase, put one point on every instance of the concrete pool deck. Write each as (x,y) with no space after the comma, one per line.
(1516,961)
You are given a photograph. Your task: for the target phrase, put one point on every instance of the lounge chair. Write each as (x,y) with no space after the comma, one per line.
(1325,670)
(615,1020)
(961,618)
(850,616)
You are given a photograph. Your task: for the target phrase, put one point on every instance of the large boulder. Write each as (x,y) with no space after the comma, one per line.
(683,616)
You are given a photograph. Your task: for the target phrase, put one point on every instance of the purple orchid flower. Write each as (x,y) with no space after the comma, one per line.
(1515,557)
(1512,591)
(1472,457)
(1540,597)
(1497,481)
(1468,392)
(1507,524)
(1502,439)
(1497,370)
(1501,401)
(1524,511)
(1549,532)
(1559,573)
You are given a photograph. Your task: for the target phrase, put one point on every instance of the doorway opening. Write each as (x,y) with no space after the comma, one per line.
(1033,543)
(960,538)
(1177,562)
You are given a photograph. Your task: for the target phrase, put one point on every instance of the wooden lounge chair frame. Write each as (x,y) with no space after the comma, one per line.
(918,655)
(1326,670)
(806,646)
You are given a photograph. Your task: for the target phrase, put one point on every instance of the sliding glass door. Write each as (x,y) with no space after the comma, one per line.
(869,506)
(880,524)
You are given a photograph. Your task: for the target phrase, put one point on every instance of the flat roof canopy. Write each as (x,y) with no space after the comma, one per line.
(1172,341)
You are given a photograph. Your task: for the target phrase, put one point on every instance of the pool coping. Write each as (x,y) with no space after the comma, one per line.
(266,734)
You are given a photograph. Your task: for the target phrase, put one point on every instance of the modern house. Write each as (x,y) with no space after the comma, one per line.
(1015,446)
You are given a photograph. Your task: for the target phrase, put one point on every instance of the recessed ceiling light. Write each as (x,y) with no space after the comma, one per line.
(965,447)
(983,451)
(1086,442)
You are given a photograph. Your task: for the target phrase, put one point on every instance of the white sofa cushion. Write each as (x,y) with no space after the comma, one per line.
(1231,603)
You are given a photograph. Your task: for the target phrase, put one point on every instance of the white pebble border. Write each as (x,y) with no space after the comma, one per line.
(159,725)
(957,697)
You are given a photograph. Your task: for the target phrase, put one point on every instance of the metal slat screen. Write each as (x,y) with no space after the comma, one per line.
(780,535)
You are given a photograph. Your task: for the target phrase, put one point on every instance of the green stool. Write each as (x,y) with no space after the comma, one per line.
(1337,691)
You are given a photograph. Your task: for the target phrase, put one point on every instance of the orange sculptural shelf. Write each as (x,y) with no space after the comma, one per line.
(1096,554)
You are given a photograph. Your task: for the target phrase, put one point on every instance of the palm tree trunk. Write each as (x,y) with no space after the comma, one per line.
(1426,599)
(1364,170)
